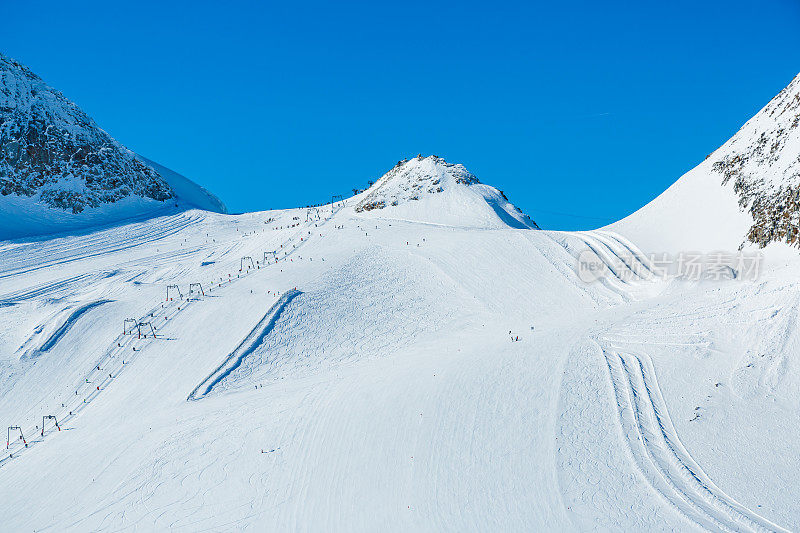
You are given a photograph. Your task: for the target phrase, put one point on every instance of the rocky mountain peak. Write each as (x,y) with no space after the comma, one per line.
(412,179)
(52,151)
(762,162)
(429,189)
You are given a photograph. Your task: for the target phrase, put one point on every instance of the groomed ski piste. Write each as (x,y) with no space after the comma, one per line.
(358,371)
(136,332)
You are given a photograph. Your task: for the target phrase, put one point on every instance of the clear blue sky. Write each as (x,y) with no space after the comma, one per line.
(581,112)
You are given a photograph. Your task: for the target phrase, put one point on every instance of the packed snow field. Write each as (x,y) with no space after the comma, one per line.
(337,370)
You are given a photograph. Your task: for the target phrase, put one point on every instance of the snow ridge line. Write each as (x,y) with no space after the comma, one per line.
(662,458)
(252,341)
(65,413)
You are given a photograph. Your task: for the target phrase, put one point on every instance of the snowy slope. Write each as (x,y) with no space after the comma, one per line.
(429,189)
(745,193)
(368,380)
(22,216)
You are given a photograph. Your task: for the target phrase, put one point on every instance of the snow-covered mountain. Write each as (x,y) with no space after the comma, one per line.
(60,171)
(407,359)
(746,193)
(429,189)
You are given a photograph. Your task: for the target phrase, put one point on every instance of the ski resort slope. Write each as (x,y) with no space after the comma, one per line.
(344,371)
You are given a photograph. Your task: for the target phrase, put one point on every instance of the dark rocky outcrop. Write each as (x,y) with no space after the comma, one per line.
(51,149)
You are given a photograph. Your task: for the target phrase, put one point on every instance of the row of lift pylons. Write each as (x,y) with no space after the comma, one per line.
(18,435)
(145,328)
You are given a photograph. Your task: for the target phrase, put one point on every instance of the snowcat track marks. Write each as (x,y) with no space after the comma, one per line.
(68,250)
(662,458)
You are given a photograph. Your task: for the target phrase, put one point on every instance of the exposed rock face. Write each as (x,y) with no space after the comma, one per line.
(763,162)
(51,148)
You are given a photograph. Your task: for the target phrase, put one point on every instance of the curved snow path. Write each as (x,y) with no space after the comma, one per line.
(662,458)
(635,252)
(252,341)
(68,323)
(628,272)
(623,254)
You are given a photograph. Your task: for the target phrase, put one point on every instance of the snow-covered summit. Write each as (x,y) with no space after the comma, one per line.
(745,193)
(429,189)
(60,171)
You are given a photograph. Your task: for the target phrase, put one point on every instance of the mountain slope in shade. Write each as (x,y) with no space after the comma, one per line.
(59,171)
(429,189)
(747,193)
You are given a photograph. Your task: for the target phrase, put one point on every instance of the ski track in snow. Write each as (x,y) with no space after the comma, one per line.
(660,456)
(651,439)
(26,257)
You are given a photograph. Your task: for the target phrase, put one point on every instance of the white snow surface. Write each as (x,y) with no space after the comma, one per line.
(368,380)
(22,216)
(696,213)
